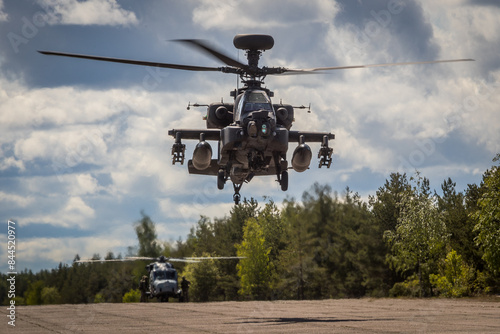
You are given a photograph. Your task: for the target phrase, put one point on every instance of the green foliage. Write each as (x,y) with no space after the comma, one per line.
(146,234)
(255,269)
(133,296)
(296,265)
(203,236)
(385,205)
(19,301)
(386,210)
(118,282)
(420,236)
(238,216)
(99,298)
(346,245)
(458,224)
(487,219)
(204,277)
(456,278)
(50,295)
(481,284)
(409,288)
(34,294)
(324,246)
(269,218)
(219,237)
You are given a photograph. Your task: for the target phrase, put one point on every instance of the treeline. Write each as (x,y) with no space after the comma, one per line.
(406,240)
(98,282)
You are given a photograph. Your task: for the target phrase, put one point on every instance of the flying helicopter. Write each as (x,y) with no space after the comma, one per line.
(162,276)
(252,132)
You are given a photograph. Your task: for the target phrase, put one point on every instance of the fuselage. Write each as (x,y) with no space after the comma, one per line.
(163,280)
(254,141)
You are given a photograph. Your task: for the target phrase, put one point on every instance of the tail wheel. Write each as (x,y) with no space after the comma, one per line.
(236,199)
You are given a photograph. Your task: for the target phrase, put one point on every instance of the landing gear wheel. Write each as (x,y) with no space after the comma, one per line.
(284,181)
(221,179)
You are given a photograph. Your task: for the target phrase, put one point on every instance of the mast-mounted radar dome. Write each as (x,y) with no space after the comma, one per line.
(253,42)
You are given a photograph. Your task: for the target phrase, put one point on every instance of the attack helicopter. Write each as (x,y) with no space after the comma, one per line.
(162,276)
(252,132)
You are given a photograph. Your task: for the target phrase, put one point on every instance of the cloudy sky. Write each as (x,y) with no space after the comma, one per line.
(84,145)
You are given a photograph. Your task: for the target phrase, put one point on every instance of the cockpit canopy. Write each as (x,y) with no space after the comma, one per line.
(250,101)
(165,274)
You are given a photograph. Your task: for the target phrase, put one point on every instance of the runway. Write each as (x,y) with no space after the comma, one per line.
(321,316)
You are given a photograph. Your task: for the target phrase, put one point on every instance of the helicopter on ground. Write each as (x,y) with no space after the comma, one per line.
(162,282)
(252,132)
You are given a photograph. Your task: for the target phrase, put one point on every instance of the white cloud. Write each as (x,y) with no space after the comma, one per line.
(200,205)
(74,213)
(85,184)
(51,106)
(479,117)
(98,12)
(121,131)
(379,115)
(259,14)
(64,249)
(63,149)
(467,30)
(10,162)
(77,206)
(16,200)
(80,156)
(3,16)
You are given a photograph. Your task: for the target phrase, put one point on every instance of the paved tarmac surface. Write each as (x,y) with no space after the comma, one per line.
(325,316)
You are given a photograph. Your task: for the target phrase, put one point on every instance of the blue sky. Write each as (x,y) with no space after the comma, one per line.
(84,145)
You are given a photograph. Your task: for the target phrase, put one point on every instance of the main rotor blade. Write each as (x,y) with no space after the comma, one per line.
(215,258)
(184,259)
(133,62)
(201,45)
(187,260)
(137,258)
(319,69)
(110,260)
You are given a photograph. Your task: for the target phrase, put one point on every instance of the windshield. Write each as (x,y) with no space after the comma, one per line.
(253,101)
(257,101)
(164,274)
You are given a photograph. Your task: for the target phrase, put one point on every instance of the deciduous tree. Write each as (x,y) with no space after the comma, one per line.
(487,218)
(420,236)
(146,235)
(254,269)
